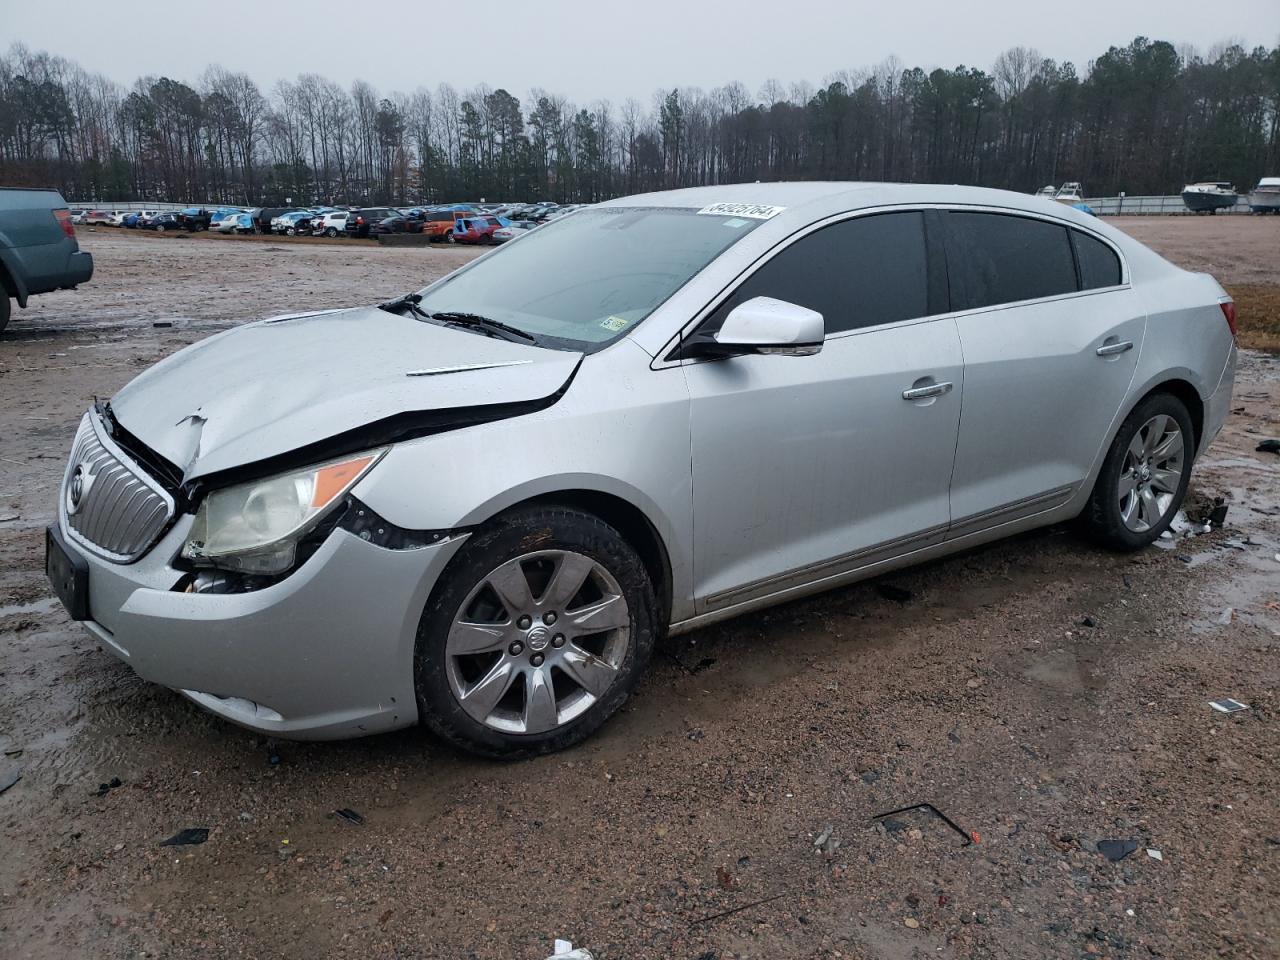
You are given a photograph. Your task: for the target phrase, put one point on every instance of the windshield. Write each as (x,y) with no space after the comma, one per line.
(592,276)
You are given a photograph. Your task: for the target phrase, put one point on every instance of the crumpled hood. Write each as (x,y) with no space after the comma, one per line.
(263,390)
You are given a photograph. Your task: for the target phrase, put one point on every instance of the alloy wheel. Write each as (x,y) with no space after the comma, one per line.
(537,641)
(1151,473)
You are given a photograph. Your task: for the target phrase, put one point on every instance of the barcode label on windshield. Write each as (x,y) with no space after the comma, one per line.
(756,211)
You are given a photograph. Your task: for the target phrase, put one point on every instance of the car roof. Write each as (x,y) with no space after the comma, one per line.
(807,201)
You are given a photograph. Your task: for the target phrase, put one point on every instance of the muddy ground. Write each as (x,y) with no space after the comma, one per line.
(1043,694)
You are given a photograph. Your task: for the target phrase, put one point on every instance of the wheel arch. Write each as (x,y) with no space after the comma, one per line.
(1185,392)
(625,517)
(1179,383)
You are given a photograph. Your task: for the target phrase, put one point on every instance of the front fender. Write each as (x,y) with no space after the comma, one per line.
(620,430)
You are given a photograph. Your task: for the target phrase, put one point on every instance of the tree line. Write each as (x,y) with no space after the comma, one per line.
(1144,118)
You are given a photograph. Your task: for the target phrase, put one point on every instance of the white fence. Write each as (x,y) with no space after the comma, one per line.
(129,206)
(1152,206)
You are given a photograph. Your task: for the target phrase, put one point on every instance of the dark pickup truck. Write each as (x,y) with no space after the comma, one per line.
(38,249)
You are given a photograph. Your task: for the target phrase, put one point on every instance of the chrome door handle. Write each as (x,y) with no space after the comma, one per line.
(924,393)
(1111,349)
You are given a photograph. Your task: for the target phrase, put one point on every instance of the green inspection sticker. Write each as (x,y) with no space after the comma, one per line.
(735,223)
(614,323)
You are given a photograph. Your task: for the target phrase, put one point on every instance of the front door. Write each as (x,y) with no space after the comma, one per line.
(805,468)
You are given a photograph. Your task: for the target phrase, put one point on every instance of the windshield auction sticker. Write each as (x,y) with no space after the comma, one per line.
(756,211)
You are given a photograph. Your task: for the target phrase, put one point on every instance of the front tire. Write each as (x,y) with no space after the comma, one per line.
(1144,478)
(331,232)
(538,631)
(6,309)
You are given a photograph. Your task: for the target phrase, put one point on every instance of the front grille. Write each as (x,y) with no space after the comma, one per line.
(109,504)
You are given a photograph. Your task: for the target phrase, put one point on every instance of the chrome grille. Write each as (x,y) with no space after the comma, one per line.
(109,505)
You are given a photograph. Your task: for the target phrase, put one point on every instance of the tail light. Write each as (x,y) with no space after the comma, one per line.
(64,220)
(1229,311)
(359,221)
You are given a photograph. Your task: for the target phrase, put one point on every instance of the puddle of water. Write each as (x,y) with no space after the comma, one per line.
(35,606)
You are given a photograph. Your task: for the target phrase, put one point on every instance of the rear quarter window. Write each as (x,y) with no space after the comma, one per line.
(1003,258)
(1099,265)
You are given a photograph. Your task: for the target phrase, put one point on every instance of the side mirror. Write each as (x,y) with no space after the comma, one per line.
(766,325)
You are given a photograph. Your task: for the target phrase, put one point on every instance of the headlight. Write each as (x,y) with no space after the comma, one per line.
(255,527)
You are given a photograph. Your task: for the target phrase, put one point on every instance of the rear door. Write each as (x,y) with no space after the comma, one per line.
(805,468)
(1051,334)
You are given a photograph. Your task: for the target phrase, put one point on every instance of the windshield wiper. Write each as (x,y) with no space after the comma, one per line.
(409,301)
(492,327)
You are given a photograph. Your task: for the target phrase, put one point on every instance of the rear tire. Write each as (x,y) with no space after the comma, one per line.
(1144,477)
(6,309)
(506,675)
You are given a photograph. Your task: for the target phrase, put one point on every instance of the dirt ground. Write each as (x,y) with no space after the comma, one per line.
(1243,252)
(1041,693)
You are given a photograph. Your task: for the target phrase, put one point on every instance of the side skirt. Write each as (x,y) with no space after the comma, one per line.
(958,544)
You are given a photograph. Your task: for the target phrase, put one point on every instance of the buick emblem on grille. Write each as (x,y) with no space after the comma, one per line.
(78,488)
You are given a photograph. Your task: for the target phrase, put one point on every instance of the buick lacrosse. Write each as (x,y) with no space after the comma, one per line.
(478,505)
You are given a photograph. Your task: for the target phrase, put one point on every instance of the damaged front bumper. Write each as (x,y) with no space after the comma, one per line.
(325,653)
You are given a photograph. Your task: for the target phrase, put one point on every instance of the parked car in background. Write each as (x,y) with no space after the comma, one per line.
(195,219)
(396,224)
(38,248)
(236,223)
(98,218)
(287,223)
(475,229)
(266,216)
(132,220)
(438,225)
(512,231)
(302,225)
(116,219)
(306,225)
(361,219)
(161,222)
(330,224)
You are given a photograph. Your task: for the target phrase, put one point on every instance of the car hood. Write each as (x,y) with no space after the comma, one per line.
(327,382)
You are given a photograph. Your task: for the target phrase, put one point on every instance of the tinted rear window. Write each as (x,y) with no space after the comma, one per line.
(1099,266)
(1003,259)
(858,273)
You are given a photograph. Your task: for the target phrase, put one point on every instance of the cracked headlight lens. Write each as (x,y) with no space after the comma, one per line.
(255,527)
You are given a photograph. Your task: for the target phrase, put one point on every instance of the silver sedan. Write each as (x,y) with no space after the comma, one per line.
(478,505)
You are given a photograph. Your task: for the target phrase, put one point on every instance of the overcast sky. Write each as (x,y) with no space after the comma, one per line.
(587,49)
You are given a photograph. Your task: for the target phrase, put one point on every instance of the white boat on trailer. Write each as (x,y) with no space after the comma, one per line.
(1070,193)
(1265,197)
(1209,196)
